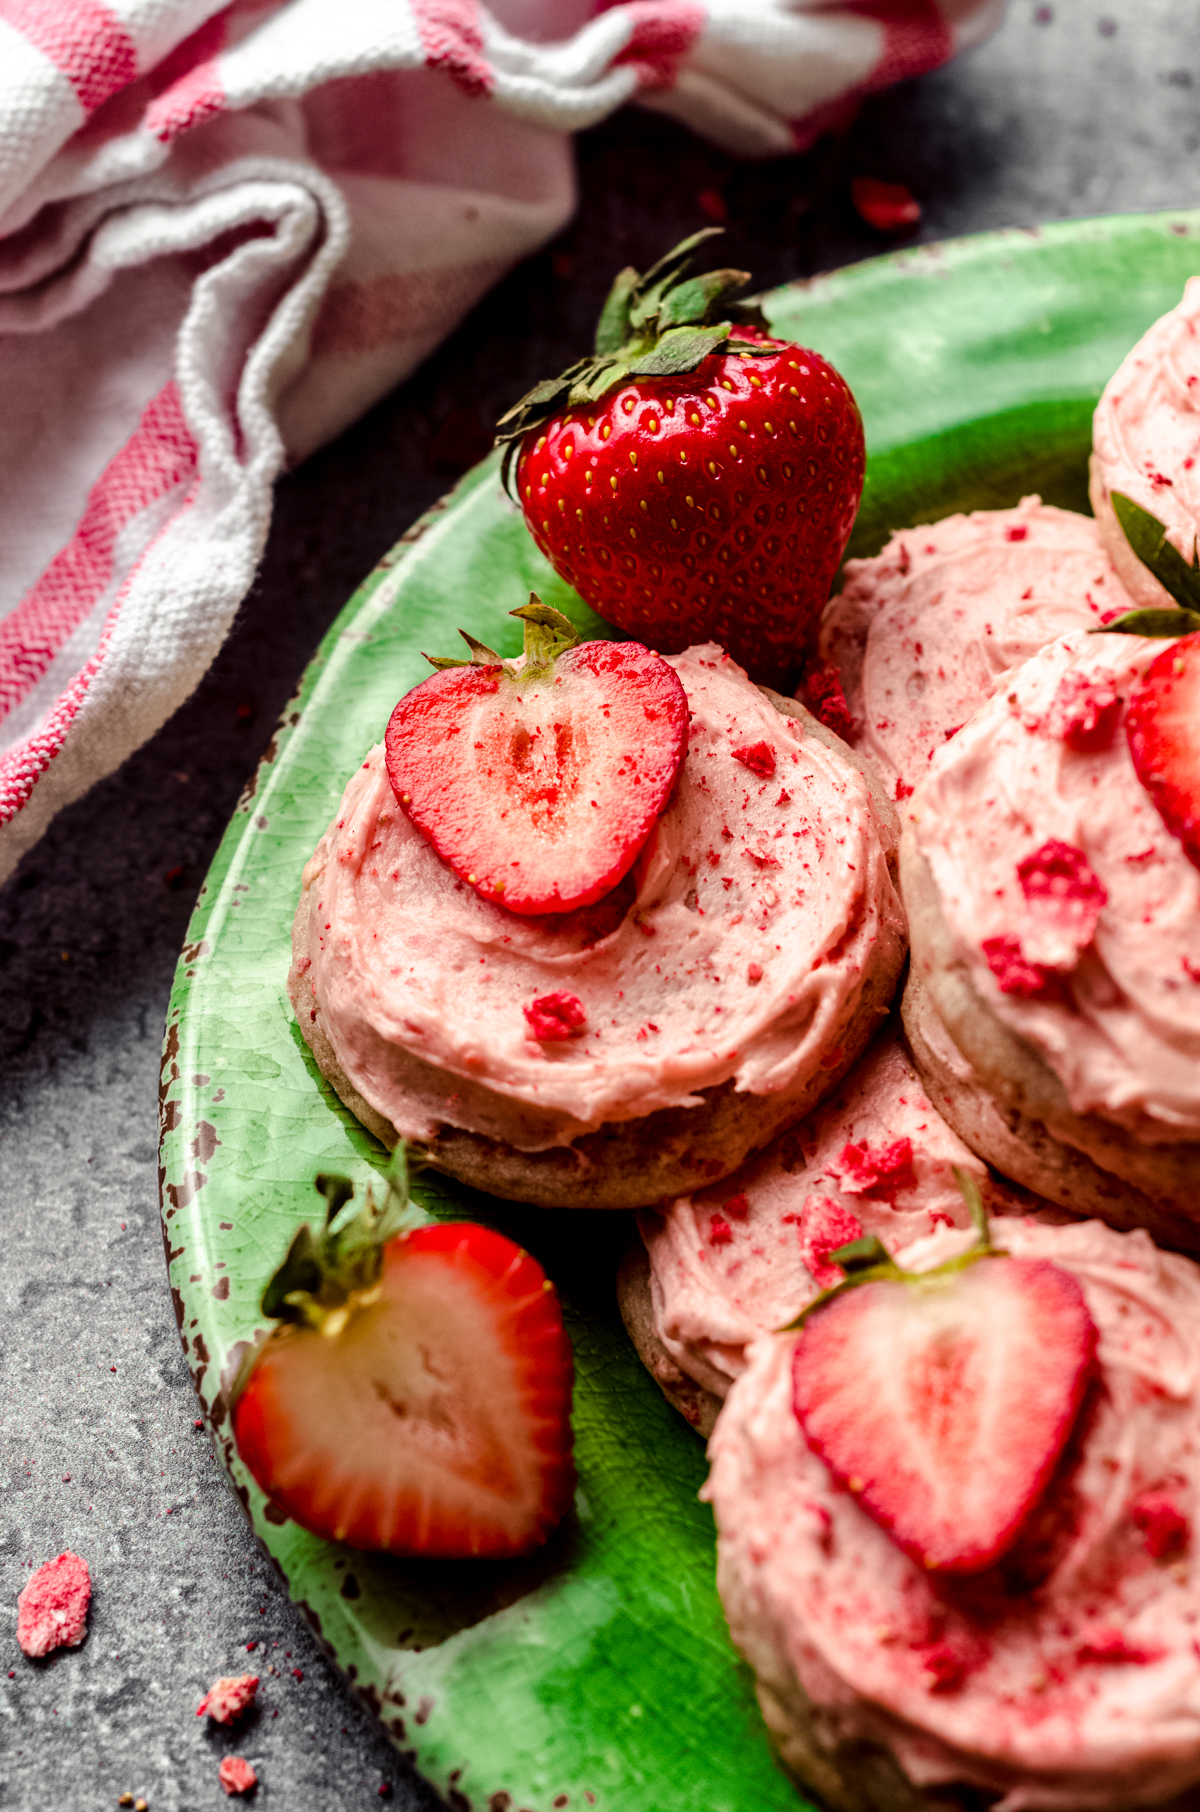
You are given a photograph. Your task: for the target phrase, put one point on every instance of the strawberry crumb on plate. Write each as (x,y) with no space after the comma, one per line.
(228,1697)
(52,1608)
(236,1775)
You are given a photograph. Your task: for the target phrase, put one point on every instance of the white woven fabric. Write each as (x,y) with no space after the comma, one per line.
(226,231)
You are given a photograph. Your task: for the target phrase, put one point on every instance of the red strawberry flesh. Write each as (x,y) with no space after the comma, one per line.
(944,1403)
(436,1421)
(539,792)
(1163,728)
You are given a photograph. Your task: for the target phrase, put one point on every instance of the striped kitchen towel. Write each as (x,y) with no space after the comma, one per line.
(225,231)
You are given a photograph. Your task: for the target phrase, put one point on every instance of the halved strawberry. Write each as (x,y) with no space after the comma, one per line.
(943,1401)
(417,1398)
(1162,724)
(538,780)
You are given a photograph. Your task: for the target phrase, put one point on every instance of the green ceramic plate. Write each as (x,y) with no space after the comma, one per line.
(599,1674)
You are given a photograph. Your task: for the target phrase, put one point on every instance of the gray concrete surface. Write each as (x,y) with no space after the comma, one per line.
(1071,109)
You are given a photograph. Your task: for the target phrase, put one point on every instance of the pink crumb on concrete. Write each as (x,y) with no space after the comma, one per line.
(52,1608)
(228,1697)
(236,1775)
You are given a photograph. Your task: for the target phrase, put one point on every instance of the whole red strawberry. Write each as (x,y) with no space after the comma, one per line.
(694,480)
(416,1397)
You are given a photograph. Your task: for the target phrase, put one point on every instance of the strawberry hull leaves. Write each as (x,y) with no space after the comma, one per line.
(538,780)
(695,480)
(1147,537)
(425,1412)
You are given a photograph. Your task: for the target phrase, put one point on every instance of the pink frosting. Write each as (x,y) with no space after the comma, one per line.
(1072,905)
(1146,432)
(1069,1675)
(737,947)
(927,630)
(740,1259)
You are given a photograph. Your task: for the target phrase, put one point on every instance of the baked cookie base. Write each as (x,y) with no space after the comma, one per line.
(625,1163)
(698,1406)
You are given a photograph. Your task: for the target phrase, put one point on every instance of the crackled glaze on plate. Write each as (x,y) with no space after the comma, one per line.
(599,1673)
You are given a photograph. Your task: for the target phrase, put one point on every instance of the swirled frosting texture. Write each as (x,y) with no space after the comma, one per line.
(927,630)
(736,950)
(1119,1018)
(733,1262)
(1066,1677)
(1146,439)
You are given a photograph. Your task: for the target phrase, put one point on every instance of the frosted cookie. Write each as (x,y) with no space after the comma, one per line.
(1146,442)
(955,1525)
(714,1270)
(1054,921)
(924,632)
(641,1044)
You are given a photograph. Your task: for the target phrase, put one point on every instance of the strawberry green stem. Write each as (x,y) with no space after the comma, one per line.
(322,1271)
(548,633)
(868,1260)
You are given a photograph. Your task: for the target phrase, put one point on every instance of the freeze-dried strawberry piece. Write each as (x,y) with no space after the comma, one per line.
(738,1205)
(553,1017)
(228,1697)
(1059,873)
(826,699)
(236,1775)
(1111,1647)
(947,1664)
(1164,1525)
(1065,899)
(1014,972)
(824,1226)
(1084,712)
(759,757)
(881,1169)
(52,1608)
